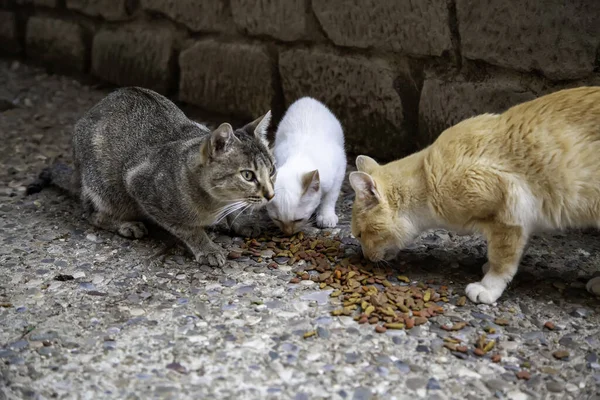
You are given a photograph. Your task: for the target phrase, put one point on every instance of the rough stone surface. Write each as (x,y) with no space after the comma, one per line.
(44,3)
(83,316)
(359,91)
(556,37)
(227,78)
(136,57)
(445,103)
(108,9)
(199,16)
(285,20)
(413,27)
(56,43)
(9,41)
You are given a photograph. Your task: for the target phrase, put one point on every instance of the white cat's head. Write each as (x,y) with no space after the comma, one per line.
(297,197)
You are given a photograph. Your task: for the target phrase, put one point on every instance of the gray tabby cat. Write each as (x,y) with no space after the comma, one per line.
(137,156)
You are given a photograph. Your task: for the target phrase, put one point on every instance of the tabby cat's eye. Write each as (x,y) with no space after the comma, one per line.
(272,171)
(248,175)
(298,220)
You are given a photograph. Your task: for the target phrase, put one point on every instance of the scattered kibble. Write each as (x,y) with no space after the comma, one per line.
(523,375)
(550,325)
(309,334)
(561,354)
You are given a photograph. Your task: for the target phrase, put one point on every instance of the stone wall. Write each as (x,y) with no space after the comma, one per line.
(396,72)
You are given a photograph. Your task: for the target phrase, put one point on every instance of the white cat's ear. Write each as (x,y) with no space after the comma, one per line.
(364,186)
(311,182)
(366,164)
(259,127)
(221,138)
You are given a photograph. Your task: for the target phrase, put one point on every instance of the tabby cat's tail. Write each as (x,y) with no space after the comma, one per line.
(59,175)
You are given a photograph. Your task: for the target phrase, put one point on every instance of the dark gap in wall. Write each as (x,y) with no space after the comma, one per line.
(278,102)
(173,83)
(61,4)
(454,32)
(312,21)
(21,16)
(597,64)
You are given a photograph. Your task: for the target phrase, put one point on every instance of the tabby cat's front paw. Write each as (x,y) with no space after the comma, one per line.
(133,229)
(215,258)
(593,286)
(327,220)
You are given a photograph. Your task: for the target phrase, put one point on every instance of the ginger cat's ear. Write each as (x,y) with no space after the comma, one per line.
(365,187)
(311,181)
(366,164)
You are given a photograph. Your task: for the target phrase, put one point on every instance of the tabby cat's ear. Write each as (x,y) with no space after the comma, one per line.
(311,182)
(365,187)
(221,138)
(366,164)
(259,127)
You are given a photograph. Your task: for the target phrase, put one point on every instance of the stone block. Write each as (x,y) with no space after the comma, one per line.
(407,26)
(444,104)
(43,3)
(284,20)
(227,78)
(56,43)
(198,16)
(559,38)
(135,56)
(9,40)
(359,91)
(107,9)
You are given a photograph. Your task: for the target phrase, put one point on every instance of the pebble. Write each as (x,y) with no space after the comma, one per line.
(362,393)
(416,383)
(323,332)
(433,384)
(402,367)
(496,384)
(555,386)
(581,312)
(423,349)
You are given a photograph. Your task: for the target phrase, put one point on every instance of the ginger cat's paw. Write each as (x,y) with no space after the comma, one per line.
(133,229)
(593,286)
(487,291)
(327,220)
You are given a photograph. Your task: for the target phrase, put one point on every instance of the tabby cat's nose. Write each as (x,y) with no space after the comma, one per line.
(269,195)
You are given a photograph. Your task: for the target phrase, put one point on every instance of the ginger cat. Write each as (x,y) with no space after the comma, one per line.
(535,167)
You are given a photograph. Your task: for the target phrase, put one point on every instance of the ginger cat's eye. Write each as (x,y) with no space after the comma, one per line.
(248,175)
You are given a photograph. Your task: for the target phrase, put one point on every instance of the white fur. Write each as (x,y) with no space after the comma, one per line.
(308,138)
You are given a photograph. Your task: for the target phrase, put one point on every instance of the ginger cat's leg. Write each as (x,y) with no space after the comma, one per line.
(505,248)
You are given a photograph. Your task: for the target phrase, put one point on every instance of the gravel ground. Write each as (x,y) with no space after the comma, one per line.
(84,314)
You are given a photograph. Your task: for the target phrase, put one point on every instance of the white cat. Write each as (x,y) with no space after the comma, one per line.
(311,164)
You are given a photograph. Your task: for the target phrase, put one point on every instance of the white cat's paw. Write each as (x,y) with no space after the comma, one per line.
(487,291)
(327,220)
(593,286)
(485,267)
(478,293)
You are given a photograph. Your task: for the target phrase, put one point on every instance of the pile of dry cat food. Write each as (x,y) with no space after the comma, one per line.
(371,294)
